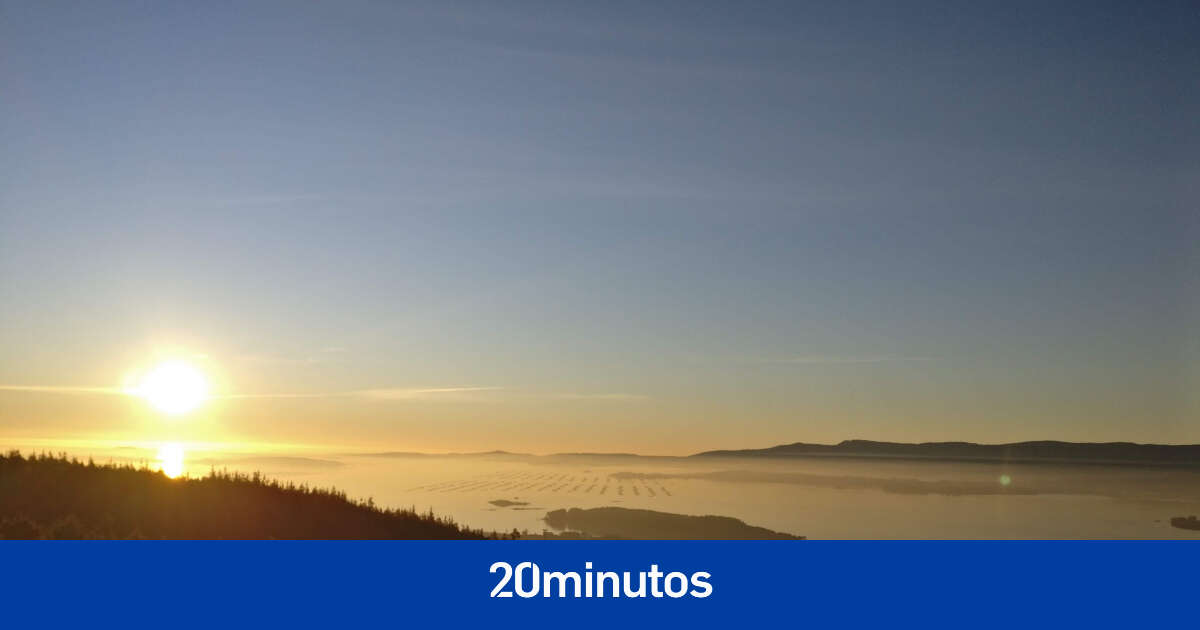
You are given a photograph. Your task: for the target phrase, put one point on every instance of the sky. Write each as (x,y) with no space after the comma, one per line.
(619,226)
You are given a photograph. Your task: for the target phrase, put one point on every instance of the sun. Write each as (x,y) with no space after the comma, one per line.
(173,387)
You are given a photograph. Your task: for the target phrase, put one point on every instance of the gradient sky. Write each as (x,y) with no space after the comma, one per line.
(657,229)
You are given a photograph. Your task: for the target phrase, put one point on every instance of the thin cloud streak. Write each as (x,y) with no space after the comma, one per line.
(614,396)
(393,393)
(386,393)
(397,393)
(57,389)
(401,394)
(823,360)
(390,393)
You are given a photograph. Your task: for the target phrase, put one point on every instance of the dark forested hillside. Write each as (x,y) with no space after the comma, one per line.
(55,497)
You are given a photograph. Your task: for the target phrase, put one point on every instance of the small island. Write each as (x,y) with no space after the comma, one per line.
(1188,522)
(615,522)
(503,503)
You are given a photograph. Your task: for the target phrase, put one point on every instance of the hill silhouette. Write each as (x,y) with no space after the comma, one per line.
(55,497)
(1044,450)
(1053,451)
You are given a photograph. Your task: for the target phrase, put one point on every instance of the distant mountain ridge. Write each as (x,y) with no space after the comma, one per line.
(1031,451)
(1044,450)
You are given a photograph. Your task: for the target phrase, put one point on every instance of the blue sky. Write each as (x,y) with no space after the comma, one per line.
(648,228)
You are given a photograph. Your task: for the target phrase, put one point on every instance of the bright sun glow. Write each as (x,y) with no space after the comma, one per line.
(170,459)
(173,387)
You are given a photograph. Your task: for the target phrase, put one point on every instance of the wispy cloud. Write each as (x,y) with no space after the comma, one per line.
(60,389)
(379,393)
(405,394)
(386,393)
(612,396)
(450,393)
(811,359)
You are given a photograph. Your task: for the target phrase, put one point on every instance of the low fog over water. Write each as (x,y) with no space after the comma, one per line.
(821,498)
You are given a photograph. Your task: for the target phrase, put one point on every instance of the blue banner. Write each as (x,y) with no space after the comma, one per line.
(585,584)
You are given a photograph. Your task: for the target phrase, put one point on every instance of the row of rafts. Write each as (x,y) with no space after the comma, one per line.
(534,482)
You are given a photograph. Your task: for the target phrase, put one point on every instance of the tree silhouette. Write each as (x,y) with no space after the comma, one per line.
(51,496)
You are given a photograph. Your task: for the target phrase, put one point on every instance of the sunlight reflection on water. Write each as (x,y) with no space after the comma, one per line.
(170,459)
